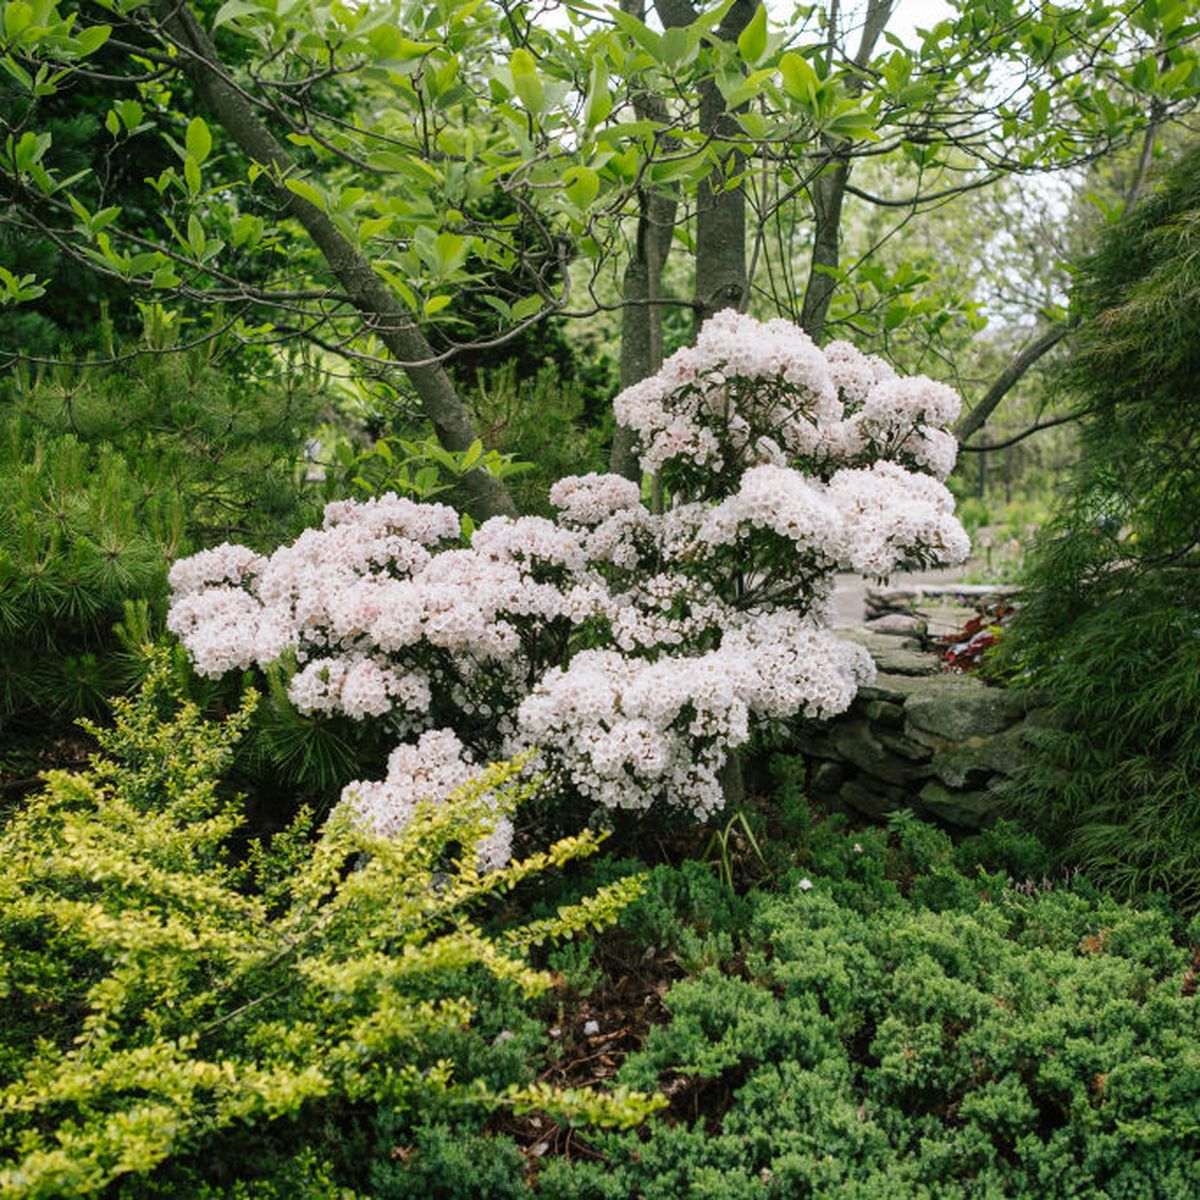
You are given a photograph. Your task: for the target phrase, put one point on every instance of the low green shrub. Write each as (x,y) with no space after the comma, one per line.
(901,1017)
(964,1035)
(167,986)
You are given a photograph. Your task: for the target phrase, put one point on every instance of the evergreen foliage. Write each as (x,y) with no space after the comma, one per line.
(160,989)
(106,476)
(1109,631)
(903,1018)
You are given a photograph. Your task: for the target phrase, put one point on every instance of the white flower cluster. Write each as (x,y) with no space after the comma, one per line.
(748,393)
(636,649)
(432,769)
(635,730)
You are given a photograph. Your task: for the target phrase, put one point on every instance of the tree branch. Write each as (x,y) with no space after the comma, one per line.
(382,313)
(1012,374)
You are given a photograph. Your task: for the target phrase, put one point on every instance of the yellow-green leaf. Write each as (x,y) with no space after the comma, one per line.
(752,41)
(799,79)
(527,82)
(581,185)
(199,140)
(306,191)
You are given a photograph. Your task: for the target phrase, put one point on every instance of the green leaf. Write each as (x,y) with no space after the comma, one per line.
(527,82)
(92,38)
(112,123)
(1041,108)
(752,41)
(472,455)
(231,10)
(199,140)
(306,191)
(106,216)
(739,91)
(599,100)
(435,304)
(526,307)
(676,43)
(373,227)
(800,81)
(581,185)
(452,250)
(191,175)
(645,37)
(195,235)
(18,16)
(390,42)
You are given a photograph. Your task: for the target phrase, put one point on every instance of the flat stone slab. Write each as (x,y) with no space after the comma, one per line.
(961,708)
(898,624)
(894,655)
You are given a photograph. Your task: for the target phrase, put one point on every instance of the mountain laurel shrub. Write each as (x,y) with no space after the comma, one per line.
(163,987)
(635,648)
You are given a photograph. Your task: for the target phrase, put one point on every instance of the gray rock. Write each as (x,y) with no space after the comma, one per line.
(872,800)
(961,708)
(882,712)
(856,744)
(815,742)
(898,624)
(969,809)
(825,779)
(907,748)
(906,662)
(892,689)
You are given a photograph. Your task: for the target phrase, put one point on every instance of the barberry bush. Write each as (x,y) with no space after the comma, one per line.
(164,989)
(635,648)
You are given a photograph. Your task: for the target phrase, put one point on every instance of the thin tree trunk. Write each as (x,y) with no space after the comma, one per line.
(641,317)
(829,191)
(382,313)
(721,212)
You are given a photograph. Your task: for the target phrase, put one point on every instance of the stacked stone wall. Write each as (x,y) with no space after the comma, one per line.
(919,737)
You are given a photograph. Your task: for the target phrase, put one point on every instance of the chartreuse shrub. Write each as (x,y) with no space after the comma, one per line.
(1109,630)
(168,1000)
(904,1018)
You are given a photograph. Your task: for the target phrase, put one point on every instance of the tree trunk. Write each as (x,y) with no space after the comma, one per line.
(641,318)
(382,313)
(829,191)
(720,212)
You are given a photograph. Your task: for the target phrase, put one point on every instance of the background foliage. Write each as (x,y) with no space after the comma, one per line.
(1114,592)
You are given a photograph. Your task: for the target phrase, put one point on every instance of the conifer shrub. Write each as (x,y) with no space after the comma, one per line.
(1109,630)
(902,1017)
(105,477)
(172,994)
